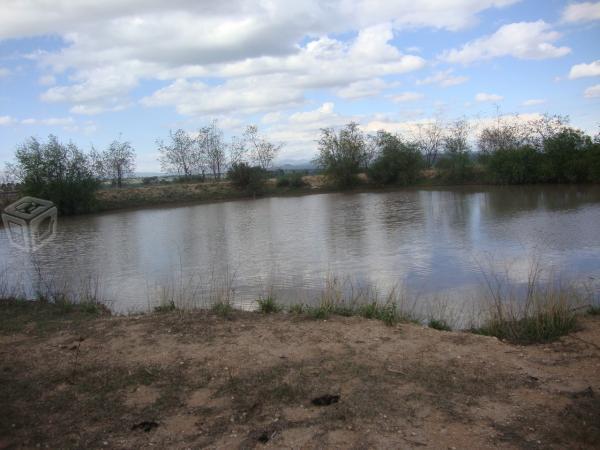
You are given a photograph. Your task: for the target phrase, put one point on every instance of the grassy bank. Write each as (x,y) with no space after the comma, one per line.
(77,378)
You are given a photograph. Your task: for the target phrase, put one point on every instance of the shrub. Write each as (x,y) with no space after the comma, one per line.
(57,172)
(397,163)
(268,305)
(149,180)
(165,307)
(439,324)
(342,155)
(516,165)
(564,157)
(222,308)
(246,177)
(297,308)
(456,167)
(291,180)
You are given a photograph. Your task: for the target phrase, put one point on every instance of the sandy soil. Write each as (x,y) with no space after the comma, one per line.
(195,380)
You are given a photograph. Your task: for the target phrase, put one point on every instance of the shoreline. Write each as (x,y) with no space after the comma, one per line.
(197,379)
(234,195)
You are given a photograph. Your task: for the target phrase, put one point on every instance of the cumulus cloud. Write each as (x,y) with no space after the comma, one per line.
(592,91)
(349,68)
(50,121)
(6,120)
(483,97)
(111,46)
(443,78)
(523,40)
(534,102)
(407,97)
(582,12)
(362,88)
(585,70)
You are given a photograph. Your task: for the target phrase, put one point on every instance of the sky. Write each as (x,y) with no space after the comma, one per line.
(91,71)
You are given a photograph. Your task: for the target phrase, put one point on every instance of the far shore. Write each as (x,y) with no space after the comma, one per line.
(79,378)
(192,193)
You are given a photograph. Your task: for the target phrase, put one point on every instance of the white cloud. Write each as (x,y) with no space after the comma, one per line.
(267,83)
(483,97)
(443,78)
(6,120)
(523,40)
(585,70)
(582,12)
(318,115)
(362,88)
(50,121)
(592,91)
(406,97)
(110,46)
(4,72)
(171,20)
(47,80)
(534,102)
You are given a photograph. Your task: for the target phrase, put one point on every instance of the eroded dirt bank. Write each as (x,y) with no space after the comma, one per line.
(195,380)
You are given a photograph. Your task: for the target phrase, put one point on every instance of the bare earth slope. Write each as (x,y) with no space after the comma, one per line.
(195,380)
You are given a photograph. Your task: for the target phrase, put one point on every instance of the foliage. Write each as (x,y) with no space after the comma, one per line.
(115,163)
(515,165)
(180,155)
(262,152)
(341,155)
(211,146)
(439,324)
(268,305)
(292,180)
(246,177)
(564,156)
(429,139)
(58,172)
(397,162)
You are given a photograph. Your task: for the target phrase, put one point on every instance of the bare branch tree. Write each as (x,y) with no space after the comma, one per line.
(117,162)
(211,146)
(180,155)
(456,137)
(262,152)
(429,140)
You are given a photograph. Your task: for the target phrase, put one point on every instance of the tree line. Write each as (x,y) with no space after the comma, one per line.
(69,176)
(505,151)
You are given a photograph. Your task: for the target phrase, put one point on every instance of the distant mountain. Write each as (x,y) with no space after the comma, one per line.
(295,165)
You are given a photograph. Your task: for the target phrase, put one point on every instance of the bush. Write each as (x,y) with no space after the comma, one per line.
(149,180)
(439,324)
(342,155)
(292,180)
(456,167)
(246,177)
(517,165)
(565,157)
(397,163)
(57,172)
(268,305)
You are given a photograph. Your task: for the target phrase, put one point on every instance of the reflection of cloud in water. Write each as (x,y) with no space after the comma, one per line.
(429,241)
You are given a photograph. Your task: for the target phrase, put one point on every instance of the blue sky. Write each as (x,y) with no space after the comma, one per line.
(88,71)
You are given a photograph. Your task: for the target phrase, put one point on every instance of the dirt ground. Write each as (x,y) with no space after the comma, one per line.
(195,380)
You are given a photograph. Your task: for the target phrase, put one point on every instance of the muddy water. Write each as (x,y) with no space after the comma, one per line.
(435,243)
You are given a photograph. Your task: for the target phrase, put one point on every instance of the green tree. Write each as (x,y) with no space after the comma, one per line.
(397,162)
(58,172)
(341,155)
(247,178)
(564,156)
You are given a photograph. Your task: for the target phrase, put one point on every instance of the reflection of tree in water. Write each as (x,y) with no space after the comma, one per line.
(506,201)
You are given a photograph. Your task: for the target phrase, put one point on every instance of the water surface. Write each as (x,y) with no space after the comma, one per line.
(433,242)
